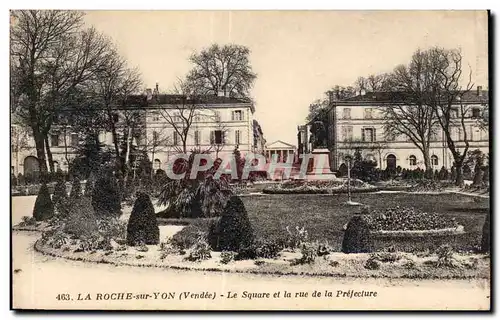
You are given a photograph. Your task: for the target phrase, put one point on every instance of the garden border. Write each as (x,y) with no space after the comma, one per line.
(38,247)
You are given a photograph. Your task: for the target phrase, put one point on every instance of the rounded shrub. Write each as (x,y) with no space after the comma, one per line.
(142,226)
(44,208)
(106,198)
(478,176)
(233,231)
(486,175)
(357,236)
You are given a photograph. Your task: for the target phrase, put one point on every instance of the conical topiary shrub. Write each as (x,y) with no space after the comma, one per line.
(60,197)
(142,226)
(76,189)
(106,197)
(233,231)
(485,241)
(357,236)
(89,185)
(44,208)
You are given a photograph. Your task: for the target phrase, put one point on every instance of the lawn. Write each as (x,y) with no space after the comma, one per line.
(323,216)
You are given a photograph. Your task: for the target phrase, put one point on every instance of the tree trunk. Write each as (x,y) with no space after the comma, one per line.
(40,153)
(153,163)
(427,159)
(184,146)
(49,154)
(459,181)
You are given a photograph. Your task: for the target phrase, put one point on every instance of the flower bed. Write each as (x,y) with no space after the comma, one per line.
(411,230)
(430,185)
(404,219)
(320,187)
(330,265)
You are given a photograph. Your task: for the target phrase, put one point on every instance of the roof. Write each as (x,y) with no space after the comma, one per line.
(278,142)
(392,97)
(206,99)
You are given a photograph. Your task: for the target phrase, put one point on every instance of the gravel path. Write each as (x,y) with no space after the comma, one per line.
(38,279)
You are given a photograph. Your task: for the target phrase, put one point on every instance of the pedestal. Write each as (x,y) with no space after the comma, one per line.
(321,166)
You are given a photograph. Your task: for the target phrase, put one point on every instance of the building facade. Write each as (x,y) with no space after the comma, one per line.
(359,125)
(217,124)
(282,150)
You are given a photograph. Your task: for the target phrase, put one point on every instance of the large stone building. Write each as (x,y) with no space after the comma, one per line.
(217,124)
(357,123)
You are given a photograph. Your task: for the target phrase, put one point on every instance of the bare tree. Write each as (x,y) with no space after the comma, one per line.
(221,127)
(320,107)
(223,69)
(51,57)
(112,87)
(409,113)
(181,115)
(373,83)
(484,120)
(446,99)
(154,143)
(361,83)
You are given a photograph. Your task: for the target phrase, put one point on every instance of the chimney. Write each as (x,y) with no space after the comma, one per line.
(363,92)
(149,94)
(332,96)
(479,91)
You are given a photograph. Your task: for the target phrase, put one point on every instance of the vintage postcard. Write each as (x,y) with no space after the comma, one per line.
(250,160)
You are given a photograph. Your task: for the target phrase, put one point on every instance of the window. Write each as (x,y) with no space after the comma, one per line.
(157,164)
(346,113)
(56,166)
(347,133)
(217,116)
(217,137)
(74,139)
(54,139)
(237,115)
(454,113)
(434,160)
(177,118)
(368,113)
(155,137)
(197,138)
(116,117)
(176,139)
(197,118)
(237,136)
(435,135)
(476,112)
(156,116)
(413,160)
(368,134)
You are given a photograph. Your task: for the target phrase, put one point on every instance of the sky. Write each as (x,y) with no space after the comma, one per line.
(297,55)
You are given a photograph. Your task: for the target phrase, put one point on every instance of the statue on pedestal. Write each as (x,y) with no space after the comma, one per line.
(319,135)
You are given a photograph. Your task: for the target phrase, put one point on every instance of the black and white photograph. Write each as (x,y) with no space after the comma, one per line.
(250,160)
